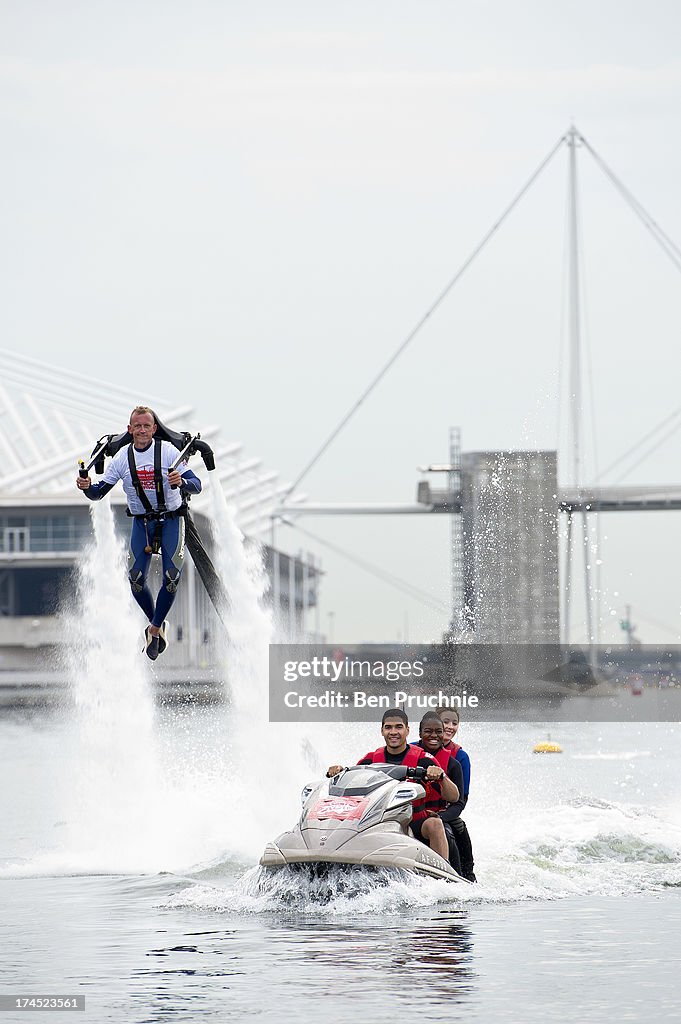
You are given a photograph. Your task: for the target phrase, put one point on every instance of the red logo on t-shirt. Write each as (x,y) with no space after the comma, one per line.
(146,475)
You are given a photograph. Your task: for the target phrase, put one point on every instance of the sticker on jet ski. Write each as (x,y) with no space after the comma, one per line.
(342,808)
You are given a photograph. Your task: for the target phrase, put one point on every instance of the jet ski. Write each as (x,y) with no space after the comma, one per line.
(360,817)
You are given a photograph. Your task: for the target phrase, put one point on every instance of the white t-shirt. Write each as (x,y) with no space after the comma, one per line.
(118,469)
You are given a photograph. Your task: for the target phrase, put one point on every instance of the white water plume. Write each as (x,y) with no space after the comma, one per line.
(115,767)
(148,798)
(264,800)
(247,620)
(245,655)
(142,793)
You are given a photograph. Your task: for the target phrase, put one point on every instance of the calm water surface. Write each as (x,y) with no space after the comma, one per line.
(127,874)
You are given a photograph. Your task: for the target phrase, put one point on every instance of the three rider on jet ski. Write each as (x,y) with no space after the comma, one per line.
(455,826)
(444,782)
(450,757)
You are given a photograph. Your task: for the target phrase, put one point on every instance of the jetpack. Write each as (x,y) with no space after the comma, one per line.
(187,445)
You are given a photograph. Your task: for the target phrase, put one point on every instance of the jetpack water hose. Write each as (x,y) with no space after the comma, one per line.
(205,567)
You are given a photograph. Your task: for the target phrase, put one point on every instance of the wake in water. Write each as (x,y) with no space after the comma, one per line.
(586,847)
(339,891)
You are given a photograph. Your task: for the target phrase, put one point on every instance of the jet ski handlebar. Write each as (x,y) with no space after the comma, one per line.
(396,771)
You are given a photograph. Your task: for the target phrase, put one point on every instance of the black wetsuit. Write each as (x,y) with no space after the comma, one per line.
(460,846)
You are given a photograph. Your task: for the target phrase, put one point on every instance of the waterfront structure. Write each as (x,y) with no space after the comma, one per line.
(505,508)
(48,420)
(504,543)
(509,520)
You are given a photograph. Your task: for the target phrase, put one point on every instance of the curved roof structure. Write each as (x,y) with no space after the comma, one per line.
(50,418)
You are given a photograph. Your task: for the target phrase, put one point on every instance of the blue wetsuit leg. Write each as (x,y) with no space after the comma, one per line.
(172,555)
(138,567)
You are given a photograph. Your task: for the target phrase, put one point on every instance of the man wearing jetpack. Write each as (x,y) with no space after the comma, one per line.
(156,491)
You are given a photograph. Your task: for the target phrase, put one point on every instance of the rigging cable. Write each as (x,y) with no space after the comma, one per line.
(415,330)
(647,437)
(673,251)
(394,581)
(661,237)
(665,437)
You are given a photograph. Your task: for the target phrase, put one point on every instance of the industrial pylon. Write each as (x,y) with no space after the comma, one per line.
(573,140)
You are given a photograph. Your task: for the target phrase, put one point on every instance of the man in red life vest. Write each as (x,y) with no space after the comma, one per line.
(426,827)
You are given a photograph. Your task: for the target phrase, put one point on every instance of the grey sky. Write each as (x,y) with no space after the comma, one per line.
(248,206)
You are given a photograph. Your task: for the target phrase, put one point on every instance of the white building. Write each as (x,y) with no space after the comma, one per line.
(48,420)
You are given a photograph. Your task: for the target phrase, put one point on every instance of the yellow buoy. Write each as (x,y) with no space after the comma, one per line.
(548,747)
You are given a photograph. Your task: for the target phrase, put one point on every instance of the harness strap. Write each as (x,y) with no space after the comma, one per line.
(158,476)
(158,480)
(154,516)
